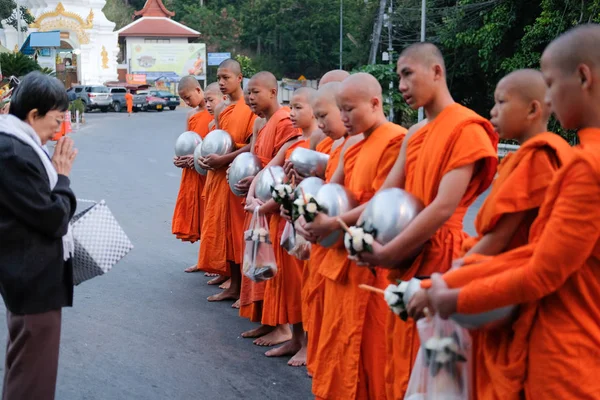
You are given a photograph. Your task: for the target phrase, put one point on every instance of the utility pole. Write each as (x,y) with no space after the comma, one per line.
(377,32)
(341,31)
(423,24)
(19,41)
(390,50)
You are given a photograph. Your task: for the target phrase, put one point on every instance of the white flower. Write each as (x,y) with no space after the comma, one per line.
(347,241)
(255,236)
(368,239)
(358,235)
(357,243)
(393,300)
(274,194)
(288,189)
(282,193)
(309,197)
(279,187)
(262,232)
(301,210)
(299,202)
(311,208)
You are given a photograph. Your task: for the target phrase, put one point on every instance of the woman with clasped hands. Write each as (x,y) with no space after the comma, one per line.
(36,205)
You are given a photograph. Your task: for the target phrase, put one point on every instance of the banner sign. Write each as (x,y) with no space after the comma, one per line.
(156,60)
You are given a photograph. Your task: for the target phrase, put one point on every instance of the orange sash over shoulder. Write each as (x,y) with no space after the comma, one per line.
(189,208)
(455,138)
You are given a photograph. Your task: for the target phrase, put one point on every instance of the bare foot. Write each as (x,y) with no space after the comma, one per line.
(258,332)
(210,274)
(236,305)
(299,359)
(218,280)
(224,295)
(280,334)
(288,349)
(226,284)
(193,268)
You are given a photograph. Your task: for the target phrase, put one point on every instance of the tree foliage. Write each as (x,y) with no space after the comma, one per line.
(8,14)
(17,64)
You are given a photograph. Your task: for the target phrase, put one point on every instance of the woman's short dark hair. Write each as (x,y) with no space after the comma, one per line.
(38,91)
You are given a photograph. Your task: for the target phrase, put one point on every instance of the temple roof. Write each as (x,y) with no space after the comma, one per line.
(157,27)
(154,8)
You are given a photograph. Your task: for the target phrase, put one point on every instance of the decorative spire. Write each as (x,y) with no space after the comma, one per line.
(154,8)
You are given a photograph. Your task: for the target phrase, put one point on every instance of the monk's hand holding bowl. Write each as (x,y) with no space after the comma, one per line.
(300,229)
(322,226)
(417,305)
(287,168)
(202,163)
(179,162)
(190,162)
(252,204)
(214,161)
(244,185)
(376,257)
(442,299)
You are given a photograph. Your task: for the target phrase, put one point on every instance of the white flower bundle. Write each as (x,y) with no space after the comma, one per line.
(307,206)
(358,240)
(394,297)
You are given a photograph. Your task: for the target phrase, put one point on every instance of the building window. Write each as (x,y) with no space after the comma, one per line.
(157,40)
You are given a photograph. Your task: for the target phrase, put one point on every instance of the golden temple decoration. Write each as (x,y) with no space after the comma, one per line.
(16,49)
(65,24)
(104,55)
(90,18)
(60,11)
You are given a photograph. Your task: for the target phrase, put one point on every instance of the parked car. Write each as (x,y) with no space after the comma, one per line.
(171,99)
(117,95)
(96,97)
(152,102)
(74,92)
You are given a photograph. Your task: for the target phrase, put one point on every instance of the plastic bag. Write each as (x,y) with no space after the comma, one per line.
(301,249)
(443,365)
(259,257)
(288,238)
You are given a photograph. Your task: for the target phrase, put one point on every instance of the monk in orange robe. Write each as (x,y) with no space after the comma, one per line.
(556,272)
(274,138)
(282,303)
(504,221)
(350,348)
(446,163)
(224,218)
(329,121)
(129,102)
(188,213)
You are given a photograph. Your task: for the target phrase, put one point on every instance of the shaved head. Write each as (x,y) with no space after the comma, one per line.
(264,79)
(213,88)
(363,86)
(188,82)
(529,84)
(306,92)
(326,111)
(232,65)
(360,102)
(427,53)
(575,47)
(327,93)
(336,75)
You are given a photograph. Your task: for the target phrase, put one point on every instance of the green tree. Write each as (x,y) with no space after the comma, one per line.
(17,64)
(118,12)
(9,15)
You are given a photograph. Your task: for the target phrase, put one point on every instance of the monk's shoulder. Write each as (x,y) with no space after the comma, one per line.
(474,136)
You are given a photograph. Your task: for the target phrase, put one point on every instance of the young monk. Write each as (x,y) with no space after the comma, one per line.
(446,163)
(282,303)
(350,351)
(214,97)
(187,217)
(329,120)
(129,102)
(223,223)
(274,138)
(556,272)
(503,222)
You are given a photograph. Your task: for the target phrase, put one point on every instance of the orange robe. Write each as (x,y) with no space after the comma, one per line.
(521,185)
(277,131)
(224,218)
(555,281)
(189,208)
(349,361)
(129,102)
(314,286)
(282,303)
(457,137)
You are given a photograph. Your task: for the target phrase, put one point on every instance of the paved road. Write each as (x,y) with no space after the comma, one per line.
(145,330)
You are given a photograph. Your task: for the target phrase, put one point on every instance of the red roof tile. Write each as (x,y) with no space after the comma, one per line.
(154,8)
(157,27)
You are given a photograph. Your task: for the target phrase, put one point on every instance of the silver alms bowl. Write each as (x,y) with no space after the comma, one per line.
(197,154)
(310,186)
(262,189)
(335,200)
(389,212)
(244,165)
(217,142)
(309,162)
(186,143)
